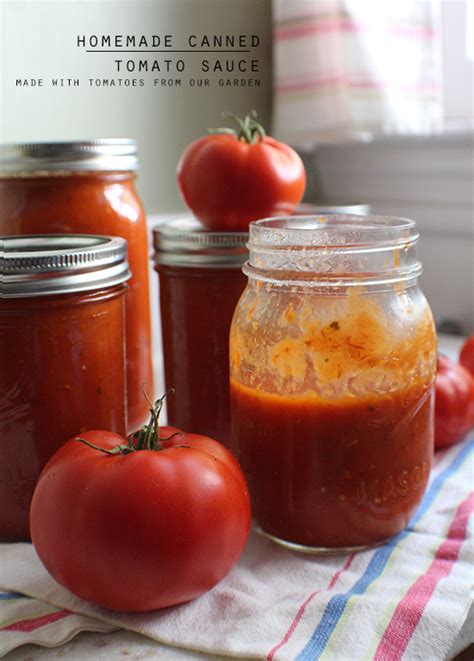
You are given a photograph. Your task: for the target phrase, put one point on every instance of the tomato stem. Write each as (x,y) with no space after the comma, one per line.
(145,438)
(118,449)
(148,436)
(248,129)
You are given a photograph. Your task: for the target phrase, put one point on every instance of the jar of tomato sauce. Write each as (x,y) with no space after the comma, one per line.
(87,187)
(62,355)
(333,357)
(201,280)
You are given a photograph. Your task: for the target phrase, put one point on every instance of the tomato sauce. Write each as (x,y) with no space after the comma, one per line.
(342,473)
(62,373)
(197,305)
(93,203)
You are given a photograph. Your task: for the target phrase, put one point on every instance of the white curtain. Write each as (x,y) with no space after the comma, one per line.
(348,69)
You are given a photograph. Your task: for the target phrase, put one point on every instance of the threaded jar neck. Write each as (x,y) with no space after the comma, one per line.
(333,250)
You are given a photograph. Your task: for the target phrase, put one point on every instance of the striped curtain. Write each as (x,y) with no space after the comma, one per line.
(348,69)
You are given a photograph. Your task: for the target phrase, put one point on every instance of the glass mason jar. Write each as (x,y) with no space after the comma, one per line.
(201,280)
(62,355)
(87,187)
(332,364)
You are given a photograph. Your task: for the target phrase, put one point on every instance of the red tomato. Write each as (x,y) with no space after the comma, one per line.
(454,402)
(233,177)
(466,357)
(140,530)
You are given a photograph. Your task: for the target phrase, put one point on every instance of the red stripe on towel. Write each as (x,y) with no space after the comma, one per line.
(36,622)
(303,606)
(409,611)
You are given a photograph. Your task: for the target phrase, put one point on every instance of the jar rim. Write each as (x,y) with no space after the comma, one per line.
(333,249)
(331,206)
(309,228)
(93,155)
(185,242)
(46,264)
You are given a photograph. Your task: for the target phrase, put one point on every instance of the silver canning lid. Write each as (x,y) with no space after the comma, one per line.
(40,265)
(185,242)
(107,154)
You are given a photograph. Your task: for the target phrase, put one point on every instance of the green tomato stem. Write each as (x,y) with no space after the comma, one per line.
(248,129)
(145,438)
(118,449)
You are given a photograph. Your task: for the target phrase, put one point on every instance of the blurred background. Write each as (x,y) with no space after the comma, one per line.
(376,96)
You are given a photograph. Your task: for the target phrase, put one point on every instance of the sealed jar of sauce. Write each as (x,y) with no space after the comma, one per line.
(62,355)
(87,187)
(333,354)
(201,280)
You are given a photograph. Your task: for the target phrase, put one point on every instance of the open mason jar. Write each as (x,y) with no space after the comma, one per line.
(332,364)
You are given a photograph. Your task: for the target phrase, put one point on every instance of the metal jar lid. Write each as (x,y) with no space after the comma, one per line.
(106,154)
(185,242)
(41,265)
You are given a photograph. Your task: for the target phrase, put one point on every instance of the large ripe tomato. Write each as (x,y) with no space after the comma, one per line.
(144,528)
(454,402)
(466,357)
(230,178)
